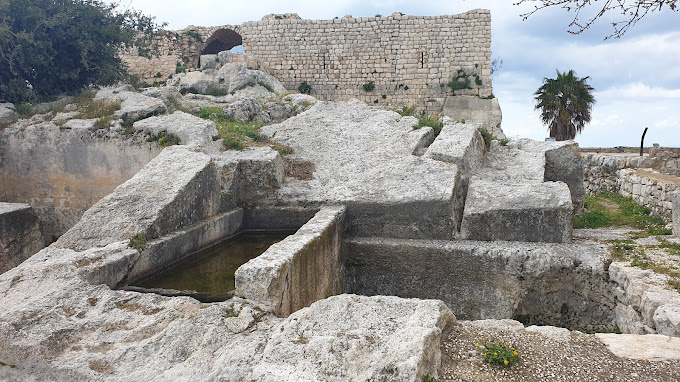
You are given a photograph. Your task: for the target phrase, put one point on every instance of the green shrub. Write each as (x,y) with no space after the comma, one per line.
(498,353)
(369,86)
(164,139)
(138,242)
(218,92)
(23,109)
(486,135)
(51,47)
(305,88)
(431,121)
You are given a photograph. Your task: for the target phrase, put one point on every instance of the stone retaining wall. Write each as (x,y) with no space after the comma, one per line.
(630,176)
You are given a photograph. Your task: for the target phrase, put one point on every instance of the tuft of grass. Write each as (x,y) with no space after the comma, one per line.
(498,353)
(427,378)
(488,137)
(266,86)
(431,121)
(99,109)
(406,111)
(103,122)
(369,86)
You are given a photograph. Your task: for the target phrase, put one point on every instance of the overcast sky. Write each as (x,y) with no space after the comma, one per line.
(636,78)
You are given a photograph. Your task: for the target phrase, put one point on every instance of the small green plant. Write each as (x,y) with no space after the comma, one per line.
(218,92)
(138,242)
(427,378)
(369,86)
(180,67)
(192,33)
(459,82)
(487,136)
(158,75)
(498,353)
(405,87)
(378,15)
(478,81)
(504,141)
(305,88)
(231,311)
(384,96)
(164,139)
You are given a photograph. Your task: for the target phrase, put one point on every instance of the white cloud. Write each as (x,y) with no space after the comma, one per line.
(638,91)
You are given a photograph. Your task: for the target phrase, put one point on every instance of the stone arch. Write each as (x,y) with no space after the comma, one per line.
(221,40)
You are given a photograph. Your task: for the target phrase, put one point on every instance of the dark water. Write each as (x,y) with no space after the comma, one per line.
(211,271)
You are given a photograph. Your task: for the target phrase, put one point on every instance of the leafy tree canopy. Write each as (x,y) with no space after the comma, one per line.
(565,103)
(631,11)
(49,47)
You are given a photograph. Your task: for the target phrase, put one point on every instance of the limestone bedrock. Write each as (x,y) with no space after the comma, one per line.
(363,158)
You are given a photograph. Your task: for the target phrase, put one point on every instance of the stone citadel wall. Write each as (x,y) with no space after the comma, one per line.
(408,59)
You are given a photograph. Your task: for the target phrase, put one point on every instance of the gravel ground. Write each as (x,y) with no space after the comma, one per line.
(551,355)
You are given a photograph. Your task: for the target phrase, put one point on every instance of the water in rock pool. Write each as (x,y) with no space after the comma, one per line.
(211,271)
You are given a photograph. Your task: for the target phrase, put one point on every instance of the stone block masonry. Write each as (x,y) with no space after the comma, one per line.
(408,59)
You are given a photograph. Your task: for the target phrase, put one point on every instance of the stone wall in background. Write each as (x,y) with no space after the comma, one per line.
(396,60)
(634,176)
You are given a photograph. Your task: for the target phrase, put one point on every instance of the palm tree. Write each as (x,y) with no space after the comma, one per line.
(565,103)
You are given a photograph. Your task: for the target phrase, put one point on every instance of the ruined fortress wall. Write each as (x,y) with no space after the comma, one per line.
(409,59)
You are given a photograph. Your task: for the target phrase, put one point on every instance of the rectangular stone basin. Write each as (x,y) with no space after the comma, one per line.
(208,275)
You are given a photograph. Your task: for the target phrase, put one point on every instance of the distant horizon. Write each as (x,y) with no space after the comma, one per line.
(636,78)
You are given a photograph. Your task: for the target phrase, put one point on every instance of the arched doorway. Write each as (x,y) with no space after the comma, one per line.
(221,40)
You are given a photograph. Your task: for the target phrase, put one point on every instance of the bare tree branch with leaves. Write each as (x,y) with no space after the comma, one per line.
(631,12)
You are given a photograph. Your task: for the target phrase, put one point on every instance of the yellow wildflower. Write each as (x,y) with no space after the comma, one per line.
(505,361)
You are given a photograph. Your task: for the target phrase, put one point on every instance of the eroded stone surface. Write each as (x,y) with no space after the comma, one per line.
(134,106)
(351,337)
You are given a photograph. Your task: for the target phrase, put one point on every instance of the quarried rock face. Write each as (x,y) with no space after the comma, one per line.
(20,235)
